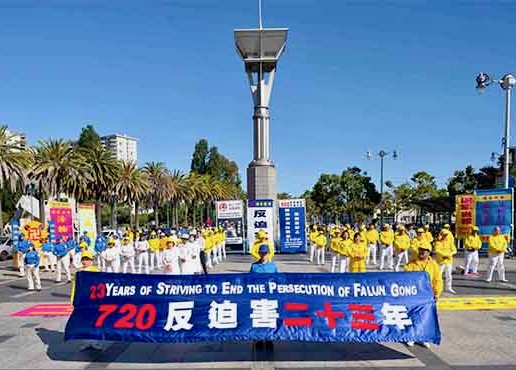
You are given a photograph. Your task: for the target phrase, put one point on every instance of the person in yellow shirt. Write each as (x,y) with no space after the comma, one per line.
(358,253)
(154,243)
(372,238)
(207,248)
(311,238)
(223,241)
(496,251)
(428,234)
(401,246)
(472,244)
(387,252)
(334,248)
(450,237)
(262,238)
(424,262)
(320,244)
(417,242)
(345,251)
(350,231)
(445,251)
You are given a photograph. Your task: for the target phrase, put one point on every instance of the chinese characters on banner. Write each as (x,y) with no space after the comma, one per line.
(87,220)
(61,215)
(372,307)
(494,208)
(292,229)
(230,215)
(464,215)
(260,216)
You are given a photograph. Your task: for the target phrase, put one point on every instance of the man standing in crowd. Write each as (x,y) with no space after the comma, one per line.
(372,238)
(472,244)
(496,251)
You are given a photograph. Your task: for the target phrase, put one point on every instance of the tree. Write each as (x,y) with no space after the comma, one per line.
(132,187)
(88,138)
(486,177)
(14,162)
(326,194)
(200,157)
(157,175)
(285,196)
(58,168)
(424,185)
(463,181)
(104,173)
(222,168)
(359,195)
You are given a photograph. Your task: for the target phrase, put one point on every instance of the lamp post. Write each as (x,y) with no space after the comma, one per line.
(30,189)
(483,80)
(260,49)
(382,154)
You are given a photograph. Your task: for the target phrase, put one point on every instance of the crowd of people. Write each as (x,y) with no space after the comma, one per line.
(355,249)
(187,252)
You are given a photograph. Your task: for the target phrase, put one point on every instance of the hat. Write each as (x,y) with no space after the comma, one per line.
(264,248)
(427,227)
(386,226)
(87,254)
(475,228)
(262,234)
(111,242)
(420,230)
(401,227)
(426,246)
(184,236)
(362,227)
(83,245)
(446,226)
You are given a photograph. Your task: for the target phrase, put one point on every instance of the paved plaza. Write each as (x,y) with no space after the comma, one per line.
(471,338)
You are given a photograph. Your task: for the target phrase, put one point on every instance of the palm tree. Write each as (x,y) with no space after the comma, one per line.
(132,187)
(14,161)
(57,168)
(104,173)
(157,174)
(177,191)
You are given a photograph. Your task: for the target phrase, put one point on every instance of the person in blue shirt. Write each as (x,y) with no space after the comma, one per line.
(100,247)
(48,256)
(23,249)
(63,260)
(31,261)
(263,265)
(86,238)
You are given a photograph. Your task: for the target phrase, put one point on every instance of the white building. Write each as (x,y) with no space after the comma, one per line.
(124,147)
(17,138)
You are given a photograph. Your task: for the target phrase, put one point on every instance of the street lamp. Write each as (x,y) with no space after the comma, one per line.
(483,80)
(260,50)
(30,188)
(382,154)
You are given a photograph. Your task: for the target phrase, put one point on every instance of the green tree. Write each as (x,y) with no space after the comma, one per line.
(222,168)
(104,173)
(158,176)
(486,177)
(132,187)
(326,195)
(200,157)
(285,196)
(89,138)
(423,185)
(359,195)
(14,162)
(463,181)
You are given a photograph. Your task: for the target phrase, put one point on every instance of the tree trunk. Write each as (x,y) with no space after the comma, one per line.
(98,214)
(156,215)
(136,216)
(42,215)
(131,223)
(193,214)
(1,217)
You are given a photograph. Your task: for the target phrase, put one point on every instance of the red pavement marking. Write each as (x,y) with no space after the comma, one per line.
(60,309)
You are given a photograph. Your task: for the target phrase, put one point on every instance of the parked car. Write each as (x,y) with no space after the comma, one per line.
(6,248)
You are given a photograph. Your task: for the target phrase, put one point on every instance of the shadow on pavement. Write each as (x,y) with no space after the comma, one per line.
(59,350)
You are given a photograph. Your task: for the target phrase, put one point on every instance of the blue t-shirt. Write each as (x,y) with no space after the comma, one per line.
(32,258)
(267,267)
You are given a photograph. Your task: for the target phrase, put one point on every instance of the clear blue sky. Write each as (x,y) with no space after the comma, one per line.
(356,75)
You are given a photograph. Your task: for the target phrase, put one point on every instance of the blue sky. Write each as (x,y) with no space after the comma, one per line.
(356,76)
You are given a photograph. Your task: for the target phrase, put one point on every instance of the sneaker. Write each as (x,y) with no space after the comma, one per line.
(451,291)
(426,344)
(487,281)
(410,344)
(504,281)
(30,290)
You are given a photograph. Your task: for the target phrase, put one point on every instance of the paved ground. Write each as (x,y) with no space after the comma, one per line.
(471,339)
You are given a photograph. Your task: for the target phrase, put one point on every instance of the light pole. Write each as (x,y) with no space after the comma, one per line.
(30,188)
(382,154)
(260,49)
(506,83)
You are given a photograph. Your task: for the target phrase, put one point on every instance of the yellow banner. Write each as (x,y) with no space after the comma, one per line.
(56,204)
(465,209)
(86,214)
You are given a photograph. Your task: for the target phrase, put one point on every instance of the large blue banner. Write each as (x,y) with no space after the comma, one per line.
(360,307)
(292,226)
(494,208)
